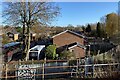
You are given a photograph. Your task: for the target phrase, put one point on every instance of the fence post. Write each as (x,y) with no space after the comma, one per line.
(77,69)
(85,67)
(32,61)
(110,70)
(19,63)
(6,71)
(93,69)
(17,69)
(43,70)
(33,70)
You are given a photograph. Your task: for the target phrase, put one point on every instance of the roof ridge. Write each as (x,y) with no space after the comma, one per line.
(70,32)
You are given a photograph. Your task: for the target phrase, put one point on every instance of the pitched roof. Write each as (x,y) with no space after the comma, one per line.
(69,46)
(69,32)
(11,44)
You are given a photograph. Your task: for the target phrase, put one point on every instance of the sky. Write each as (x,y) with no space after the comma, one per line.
(81,13)
(0,13)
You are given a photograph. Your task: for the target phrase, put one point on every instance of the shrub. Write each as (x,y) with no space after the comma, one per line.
(50,52)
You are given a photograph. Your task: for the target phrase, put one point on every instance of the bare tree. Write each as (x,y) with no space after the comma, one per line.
(28,14)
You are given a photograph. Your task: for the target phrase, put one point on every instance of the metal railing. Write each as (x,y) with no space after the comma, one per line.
(49,68)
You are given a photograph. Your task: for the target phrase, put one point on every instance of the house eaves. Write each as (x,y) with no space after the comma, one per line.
(77,44)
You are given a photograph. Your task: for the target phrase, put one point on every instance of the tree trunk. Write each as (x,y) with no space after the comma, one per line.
(24,38)
(28,30)
(28,42)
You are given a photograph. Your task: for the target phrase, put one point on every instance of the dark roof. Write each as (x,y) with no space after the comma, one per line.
(72,44)
(11,44)
(76,44)
(103,47)
(66,47)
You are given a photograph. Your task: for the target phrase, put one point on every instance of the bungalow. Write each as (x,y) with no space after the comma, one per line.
(73,41)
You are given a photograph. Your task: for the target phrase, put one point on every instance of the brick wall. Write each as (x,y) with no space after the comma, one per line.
(67,38)
(79,52)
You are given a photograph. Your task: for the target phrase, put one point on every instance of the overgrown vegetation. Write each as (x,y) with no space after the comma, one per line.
(67,55)
(5,39)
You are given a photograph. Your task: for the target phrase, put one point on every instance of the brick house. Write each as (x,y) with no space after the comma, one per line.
(73,41)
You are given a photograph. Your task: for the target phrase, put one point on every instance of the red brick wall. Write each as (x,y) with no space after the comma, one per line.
(67,38)
(79,52)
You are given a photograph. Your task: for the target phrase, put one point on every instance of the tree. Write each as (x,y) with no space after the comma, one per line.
(28,14)
(88,28)
(119,17)
(103,21)
(83,28)
(5,39)
(50,52)
(98,29)
(6,26)
(19,29)
(93,33)
(70,27)
(111,24)
(39,30)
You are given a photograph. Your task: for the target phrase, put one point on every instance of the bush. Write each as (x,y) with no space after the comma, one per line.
(50,52)
(67,55)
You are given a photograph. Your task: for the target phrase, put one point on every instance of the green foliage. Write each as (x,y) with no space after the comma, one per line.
(88,28)
(72,62)
(93,33)
(83,28)
(66,55)
(111,24)
(103,34)
(5,39)
(51,52)
(98,30)
(116,38)
(6,26)
(93,53)
(19,29)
